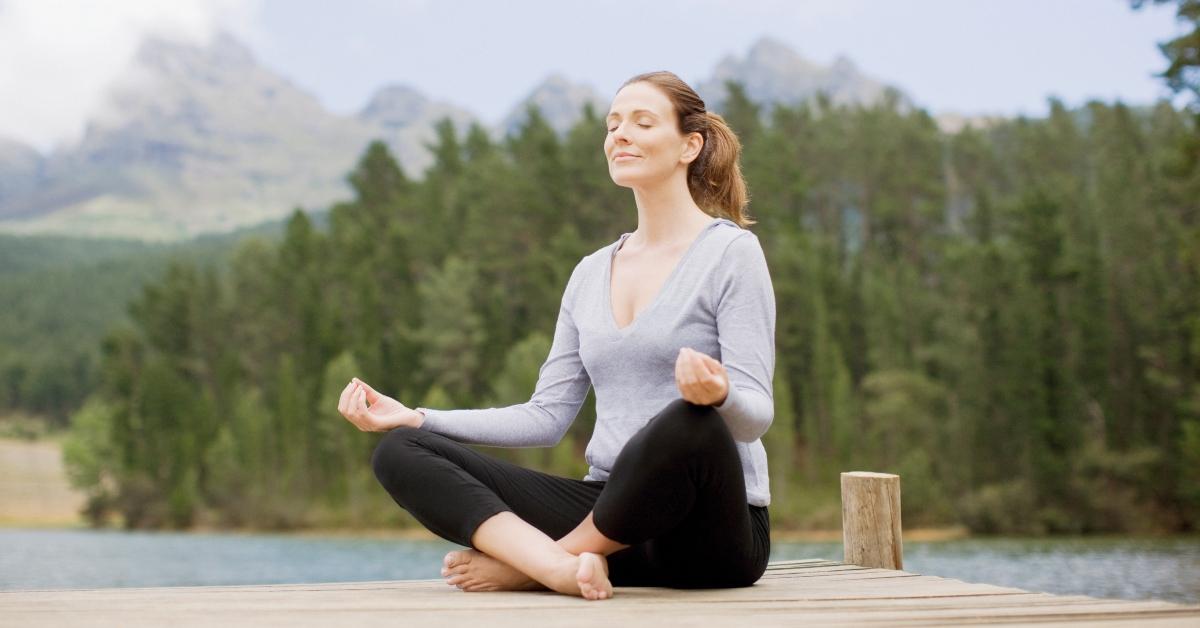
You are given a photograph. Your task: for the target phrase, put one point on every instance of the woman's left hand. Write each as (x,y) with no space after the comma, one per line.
(701,379)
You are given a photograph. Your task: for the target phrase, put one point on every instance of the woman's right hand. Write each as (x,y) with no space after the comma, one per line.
(383,414)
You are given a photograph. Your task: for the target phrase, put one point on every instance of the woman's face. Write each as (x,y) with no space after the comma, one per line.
(644,145)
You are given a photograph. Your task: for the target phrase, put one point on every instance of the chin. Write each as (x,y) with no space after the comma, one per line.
(629,179)
(624,182)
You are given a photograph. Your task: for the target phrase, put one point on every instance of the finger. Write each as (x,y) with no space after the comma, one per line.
(705,369)
(684,390)
(714,384)
(702,359)
(360,409)
(709,382)
(695,368)
(685,359)
(360,401)
(371,395)
(689,376)
(712,368)
(344,399)
(350,414)
(711,364)
(351,402)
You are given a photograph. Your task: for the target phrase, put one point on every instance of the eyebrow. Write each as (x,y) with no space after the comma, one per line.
(635,112)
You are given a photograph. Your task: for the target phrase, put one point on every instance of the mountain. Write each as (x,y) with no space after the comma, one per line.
(193,140)
(772,72)
(20,167)
(203,139)
(560,102)
(198,140)
(404,118)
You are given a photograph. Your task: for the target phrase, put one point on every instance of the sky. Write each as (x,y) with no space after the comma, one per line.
(57,57)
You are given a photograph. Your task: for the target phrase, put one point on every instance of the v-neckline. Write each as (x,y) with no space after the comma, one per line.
(608,302)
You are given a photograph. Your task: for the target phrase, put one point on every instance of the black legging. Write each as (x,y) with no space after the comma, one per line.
(676,495)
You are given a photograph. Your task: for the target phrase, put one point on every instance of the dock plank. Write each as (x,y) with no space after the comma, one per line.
(815,592)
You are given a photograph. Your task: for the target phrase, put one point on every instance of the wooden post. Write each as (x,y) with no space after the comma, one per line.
(871,520)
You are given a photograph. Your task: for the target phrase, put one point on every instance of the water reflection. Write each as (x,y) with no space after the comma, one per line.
(1166,569)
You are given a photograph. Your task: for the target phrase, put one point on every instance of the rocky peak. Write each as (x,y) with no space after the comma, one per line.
(772,72)
(222,53)
(395,106)
(560,100)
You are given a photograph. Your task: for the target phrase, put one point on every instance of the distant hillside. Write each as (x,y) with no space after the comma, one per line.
(772,73)
(62,294)
(196,140)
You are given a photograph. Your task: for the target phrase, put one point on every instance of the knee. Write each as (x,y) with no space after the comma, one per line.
(392,451)
(751,575)
(690,425)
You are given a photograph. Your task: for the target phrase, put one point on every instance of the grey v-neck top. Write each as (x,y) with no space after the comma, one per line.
(718,300)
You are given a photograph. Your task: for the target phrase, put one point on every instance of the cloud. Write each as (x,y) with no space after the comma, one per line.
(57,57)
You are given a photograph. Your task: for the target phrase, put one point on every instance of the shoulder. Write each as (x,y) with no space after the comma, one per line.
(592,264)
(737,245)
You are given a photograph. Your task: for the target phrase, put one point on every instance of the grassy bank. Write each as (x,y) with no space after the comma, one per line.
(34,491)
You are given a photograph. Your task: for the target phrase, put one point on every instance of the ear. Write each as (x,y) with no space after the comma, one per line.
(693,144)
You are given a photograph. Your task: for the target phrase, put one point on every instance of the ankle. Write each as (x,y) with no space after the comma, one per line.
(562,576)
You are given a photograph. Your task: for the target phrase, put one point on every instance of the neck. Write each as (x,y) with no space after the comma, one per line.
(667,214)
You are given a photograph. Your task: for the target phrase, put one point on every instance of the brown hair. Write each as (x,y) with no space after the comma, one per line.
(714,177)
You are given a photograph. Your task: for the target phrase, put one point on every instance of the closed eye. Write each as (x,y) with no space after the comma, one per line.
(644,126)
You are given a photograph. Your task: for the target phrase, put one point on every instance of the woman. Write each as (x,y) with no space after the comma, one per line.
(677,490)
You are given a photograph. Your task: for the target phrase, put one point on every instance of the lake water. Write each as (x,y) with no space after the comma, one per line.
(1165,569)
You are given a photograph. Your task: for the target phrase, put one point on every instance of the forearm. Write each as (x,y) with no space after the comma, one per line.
(522,425)
(747,412)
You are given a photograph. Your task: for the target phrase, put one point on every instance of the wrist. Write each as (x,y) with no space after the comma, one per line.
(723,398)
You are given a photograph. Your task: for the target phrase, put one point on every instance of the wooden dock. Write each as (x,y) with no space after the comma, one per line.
(791,593)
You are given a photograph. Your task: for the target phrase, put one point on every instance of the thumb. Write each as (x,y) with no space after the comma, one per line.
(372,396)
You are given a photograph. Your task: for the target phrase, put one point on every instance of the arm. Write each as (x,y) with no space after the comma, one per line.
(542,421)
(745,305)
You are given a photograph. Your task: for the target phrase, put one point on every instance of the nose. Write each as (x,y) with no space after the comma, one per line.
(619,134)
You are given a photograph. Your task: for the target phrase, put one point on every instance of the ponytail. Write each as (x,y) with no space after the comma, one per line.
(715,176)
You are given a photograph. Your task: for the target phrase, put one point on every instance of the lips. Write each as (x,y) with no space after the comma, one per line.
(620,155)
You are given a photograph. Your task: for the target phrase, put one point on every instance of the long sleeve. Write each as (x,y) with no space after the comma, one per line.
(745,307)
(542,421)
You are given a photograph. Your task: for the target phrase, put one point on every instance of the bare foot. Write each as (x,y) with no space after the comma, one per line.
(592,577)
(585,575)
(472,570)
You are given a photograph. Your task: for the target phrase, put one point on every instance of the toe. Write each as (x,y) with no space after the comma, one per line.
(456,558)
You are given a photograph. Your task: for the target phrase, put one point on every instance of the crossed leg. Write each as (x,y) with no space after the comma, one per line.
(503,559)
(509,514)
(478,571)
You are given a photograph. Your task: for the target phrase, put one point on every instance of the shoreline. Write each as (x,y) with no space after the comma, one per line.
(915,535)
(420,534)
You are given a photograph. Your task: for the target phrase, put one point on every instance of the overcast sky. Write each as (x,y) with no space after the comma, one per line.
(962,56)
